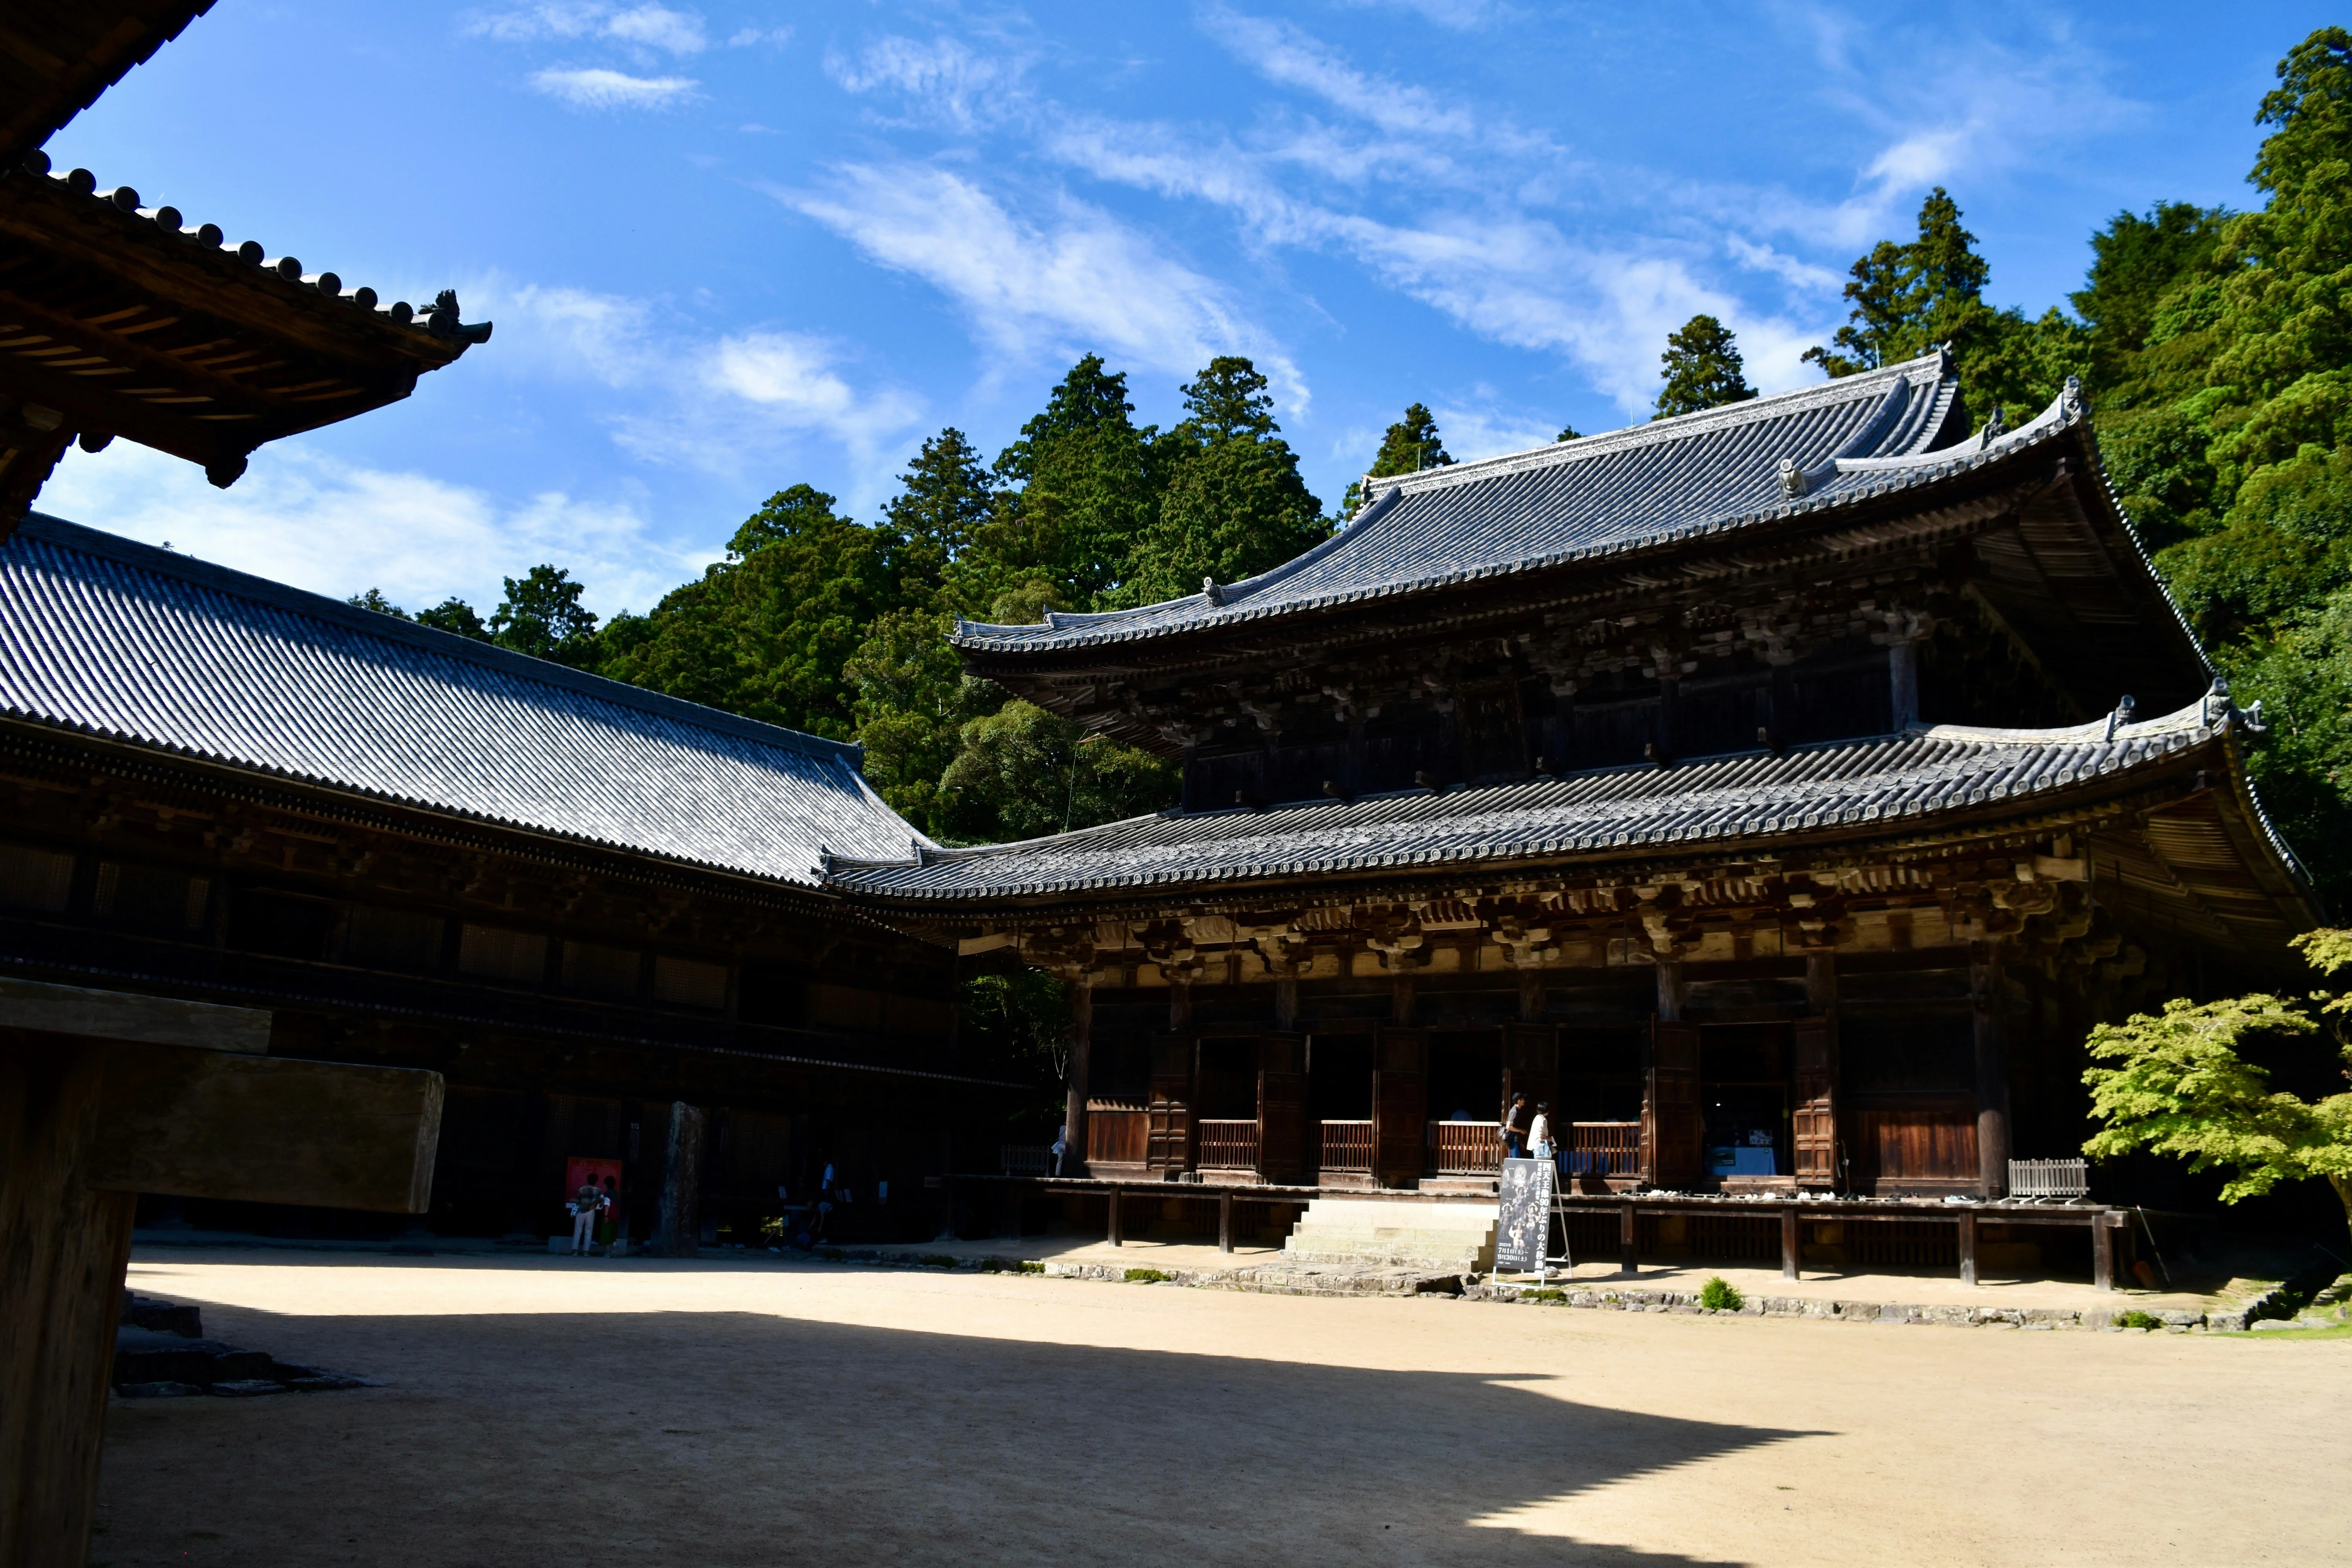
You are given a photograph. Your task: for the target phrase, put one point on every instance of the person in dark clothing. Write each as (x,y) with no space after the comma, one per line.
(1516,1119)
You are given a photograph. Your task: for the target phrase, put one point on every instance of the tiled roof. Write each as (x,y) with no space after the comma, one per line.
(439,320)
(105,637)
(1739,804)
(1697,474)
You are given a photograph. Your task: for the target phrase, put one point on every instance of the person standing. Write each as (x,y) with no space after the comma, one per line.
(608,1215)
(1539,1133)
(1515,1120)
(586,1204)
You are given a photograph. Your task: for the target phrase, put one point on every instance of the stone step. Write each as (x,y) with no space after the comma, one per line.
(1372,1231)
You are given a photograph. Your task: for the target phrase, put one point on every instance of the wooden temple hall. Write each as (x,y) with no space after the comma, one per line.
(1779,792)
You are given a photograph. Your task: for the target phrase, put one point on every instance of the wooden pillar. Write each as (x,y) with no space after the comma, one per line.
(678,1233)
(1670,990)
(63,1249)
(1180,1005)
(1081,993)
(1821,983)
(1286,1003)
(1400,1000)
(1968,1221)
(1902,683)
(1789,1244)
(1225,1221)
(1993,1070)
(1625,1261)
(1531,994)
(2102,1253)
(1116,1240)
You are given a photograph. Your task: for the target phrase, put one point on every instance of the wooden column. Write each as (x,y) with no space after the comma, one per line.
(1081,993)
(1116,1240)
(1180,1005)
(1993,1070)
(1625,1261)
(1531,994)
(1968,1222)
(63,1249)
(1902,683)
(1225,1221)
(2102,1253)
(1670,990)
(1789,1248)
(1400,1000)
(1286,1003)
(678,1233)
(104,1096)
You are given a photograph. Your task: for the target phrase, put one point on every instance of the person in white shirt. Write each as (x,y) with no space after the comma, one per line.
(585,1206)
(1539,1134)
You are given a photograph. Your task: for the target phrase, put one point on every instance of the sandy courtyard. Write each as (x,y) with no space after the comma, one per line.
(542,1411)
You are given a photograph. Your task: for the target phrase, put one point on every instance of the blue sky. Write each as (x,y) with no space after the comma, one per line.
(733,247)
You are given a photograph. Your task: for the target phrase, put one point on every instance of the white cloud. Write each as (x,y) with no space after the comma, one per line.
(650,27)
(1460,15)
(751,37)
(1283,54)
(335,528)
(594,86)
(1080,281)
(944,81)
(1481,430)
(715,404)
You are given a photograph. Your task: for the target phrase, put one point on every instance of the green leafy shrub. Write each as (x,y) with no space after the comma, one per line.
(1720,1295)
(1145,1277)
(1543,1294)
(1031,1266)
(2137,1320)
(938,1260)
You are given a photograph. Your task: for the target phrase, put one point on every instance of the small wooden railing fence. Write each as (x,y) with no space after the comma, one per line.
(2049,1178)
(1603,1148)
(1347,1146)
(1228,1145)
(1466,1148)
(1028,1159)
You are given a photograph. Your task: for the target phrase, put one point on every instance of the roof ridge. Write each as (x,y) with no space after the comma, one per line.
(89,541)
(1841,389)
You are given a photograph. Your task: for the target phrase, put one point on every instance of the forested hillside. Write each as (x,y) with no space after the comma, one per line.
(2216,347)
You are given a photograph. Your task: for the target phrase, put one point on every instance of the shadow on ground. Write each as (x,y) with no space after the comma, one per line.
(741,1438)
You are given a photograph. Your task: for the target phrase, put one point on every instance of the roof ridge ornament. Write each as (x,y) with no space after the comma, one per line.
(2071,404)
(1994,429)
(1794,481)
(1211,592)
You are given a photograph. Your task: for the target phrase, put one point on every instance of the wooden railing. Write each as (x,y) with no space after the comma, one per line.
(1228,1145)
(1466,1148)
(1603,1148)
(1028,1159)
(1347,1146)
(2049,1178)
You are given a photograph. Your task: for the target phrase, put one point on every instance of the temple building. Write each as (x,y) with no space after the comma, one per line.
(1779,792)
(593,909)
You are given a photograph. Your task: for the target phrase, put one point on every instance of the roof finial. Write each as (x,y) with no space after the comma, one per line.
(1211,592)
(2071,401)
(1793,482)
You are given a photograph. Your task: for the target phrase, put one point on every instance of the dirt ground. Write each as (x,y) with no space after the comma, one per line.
(643,1412)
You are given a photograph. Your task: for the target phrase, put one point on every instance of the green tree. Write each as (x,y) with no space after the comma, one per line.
(453,615)
(944,503)
(1906,299)
(1408,447)
(2182,1087)
(1235,504)
(2135,262)
(913,700)
(769,632)
(542,616)
(1567,433)
(373,599)
(1703,369)
(1022,771)
(1076,493)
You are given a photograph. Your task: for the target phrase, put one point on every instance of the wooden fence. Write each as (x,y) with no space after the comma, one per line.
(1604,1148)
(1347,1146)
(2049,1178)
(1228,1145)
(1466,1148)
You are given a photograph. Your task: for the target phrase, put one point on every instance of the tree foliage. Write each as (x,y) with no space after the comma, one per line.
(1408,447)
(1703,369)
(2181,1086)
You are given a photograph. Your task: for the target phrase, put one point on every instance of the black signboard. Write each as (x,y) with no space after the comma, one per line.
(1523,1233)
